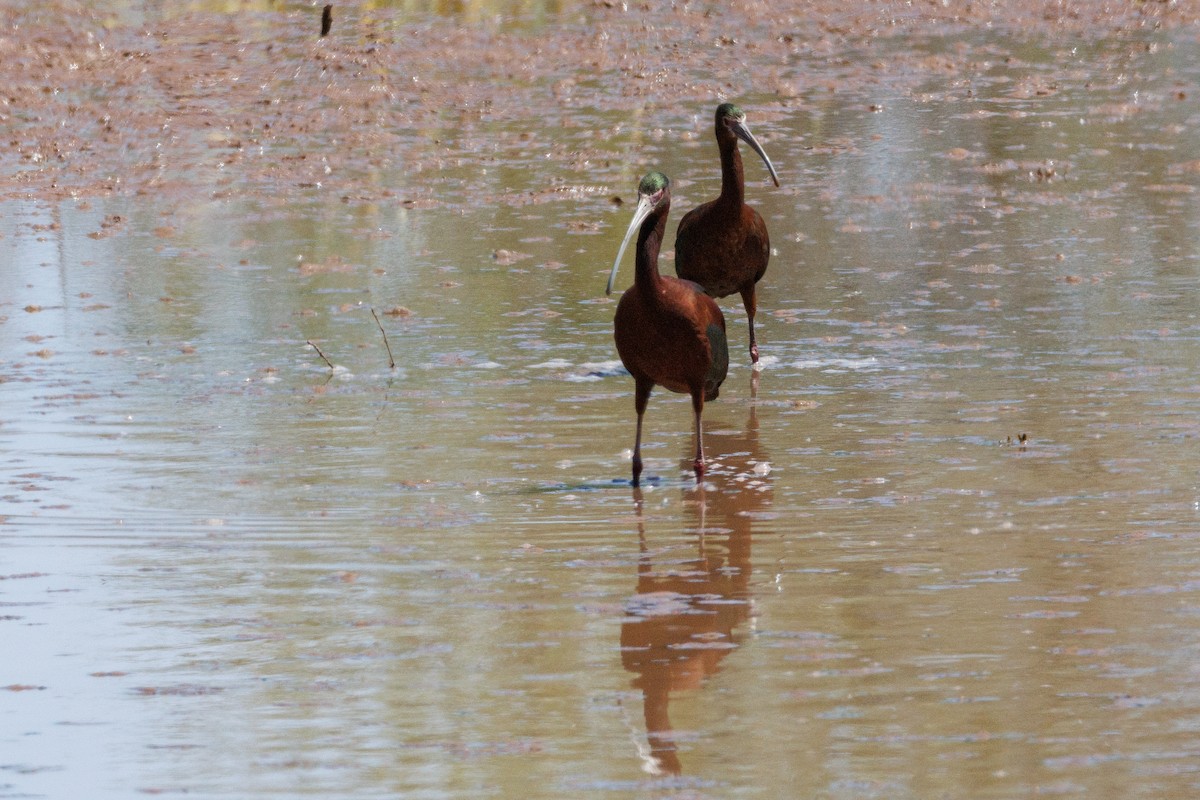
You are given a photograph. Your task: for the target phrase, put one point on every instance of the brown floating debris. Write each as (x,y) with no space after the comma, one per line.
(1022,441)
(326,19)
(180,690)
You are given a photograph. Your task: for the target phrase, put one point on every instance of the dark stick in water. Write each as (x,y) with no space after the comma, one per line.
(391,358)
(322,355)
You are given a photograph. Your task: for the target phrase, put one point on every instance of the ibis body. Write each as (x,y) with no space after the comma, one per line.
(723,244)
(668,331)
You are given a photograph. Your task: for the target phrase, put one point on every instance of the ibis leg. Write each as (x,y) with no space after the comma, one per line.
(640,398)
(698,408)
(751,302)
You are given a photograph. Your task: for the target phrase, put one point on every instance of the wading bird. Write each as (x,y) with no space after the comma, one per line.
(723,244)
(668,331)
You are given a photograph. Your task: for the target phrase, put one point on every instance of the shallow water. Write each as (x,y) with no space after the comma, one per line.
(947,546)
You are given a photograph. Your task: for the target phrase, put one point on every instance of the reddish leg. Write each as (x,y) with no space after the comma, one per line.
(698,408)
(640,398)
(751,302)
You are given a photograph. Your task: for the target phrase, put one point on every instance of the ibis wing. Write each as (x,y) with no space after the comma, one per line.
(719,367)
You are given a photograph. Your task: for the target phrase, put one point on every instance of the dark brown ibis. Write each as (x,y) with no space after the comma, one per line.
(668,331)
(723,244)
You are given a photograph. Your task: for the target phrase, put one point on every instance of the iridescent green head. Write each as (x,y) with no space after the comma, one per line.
(653,195)
(728,111)
(653,183)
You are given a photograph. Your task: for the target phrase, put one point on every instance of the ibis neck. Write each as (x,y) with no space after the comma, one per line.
(733,180)
(650,237)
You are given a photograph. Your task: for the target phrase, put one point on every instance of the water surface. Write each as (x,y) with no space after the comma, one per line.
(947,545)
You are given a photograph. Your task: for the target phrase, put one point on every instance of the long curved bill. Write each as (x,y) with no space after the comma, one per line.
(645,206)
(746,136)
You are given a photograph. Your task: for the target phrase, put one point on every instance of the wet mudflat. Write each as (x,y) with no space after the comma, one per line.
(950,541)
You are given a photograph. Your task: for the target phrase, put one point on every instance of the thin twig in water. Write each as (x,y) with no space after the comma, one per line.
(391,358)
(322,355)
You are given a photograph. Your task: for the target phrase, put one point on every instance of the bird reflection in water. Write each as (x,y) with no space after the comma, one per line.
(685,617)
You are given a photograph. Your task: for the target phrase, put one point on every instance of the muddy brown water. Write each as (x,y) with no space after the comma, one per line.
(950,541)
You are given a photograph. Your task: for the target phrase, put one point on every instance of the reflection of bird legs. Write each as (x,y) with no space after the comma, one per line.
(659,757)
(643,549)
(656,691)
